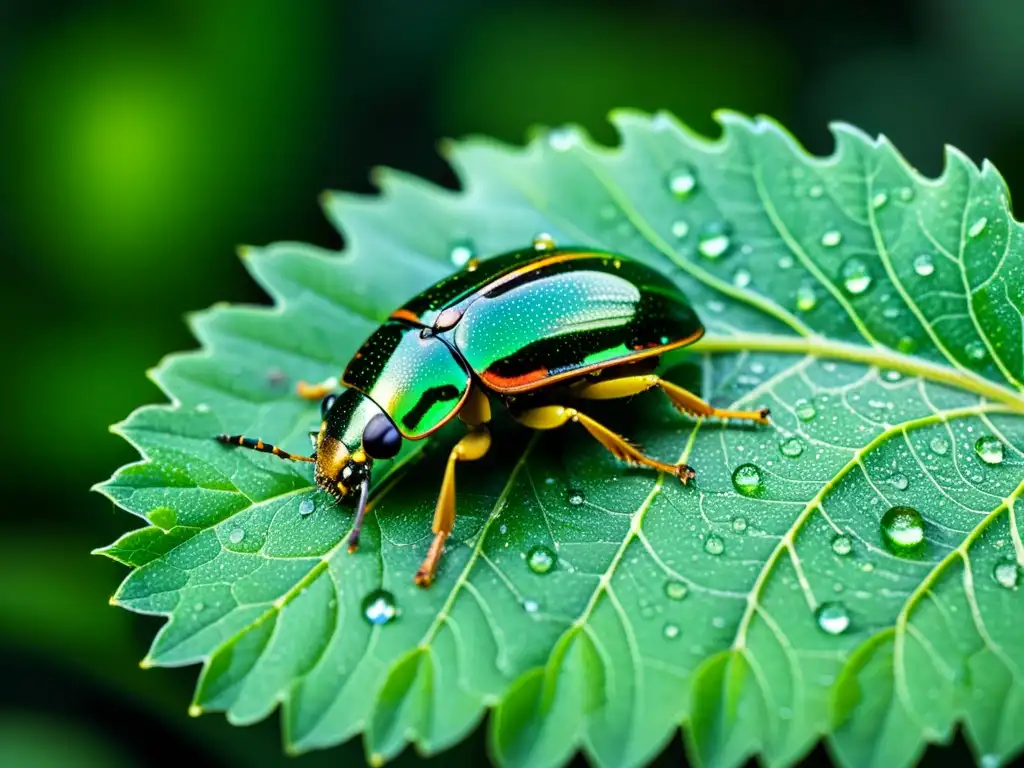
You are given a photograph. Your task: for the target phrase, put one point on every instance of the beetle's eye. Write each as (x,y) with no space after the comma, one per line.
(326,403)
(380,438)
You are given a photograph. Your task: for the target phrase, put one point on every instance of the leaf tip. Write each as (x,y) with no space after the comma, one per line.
(245,252)
(376,760)
(112,600)
(146,663)
(195,710)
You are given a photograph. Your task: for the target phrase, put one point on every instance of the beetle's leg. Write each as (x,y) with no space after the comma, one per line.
(259,445)
(475,413)
(554,416)
(316,391)
(680,398)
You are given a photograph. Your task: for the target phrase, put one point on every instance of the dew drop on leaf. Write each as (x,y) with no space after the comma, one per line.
(976,351)
(531,606)
(236,535)
(563,139)
(739,524)
(541,559)
(714,545)
(989,449)
(306,507)
(680,228)
(879,200)
(978,227)
(575,497)
(379,607)
(714,239)
(900,482)
(806,296)
(906,194)
(816,191)
(832,238)
(682,181)
(791,447)
(1007,574)
(842,545)
(671,631)
(939,446)
(461,252)
(856,276)
(892,376)
(924,265)
(676,590)
(805,410)
(833,618)
(785,262)
(902,530)
(746,478)
(741,279)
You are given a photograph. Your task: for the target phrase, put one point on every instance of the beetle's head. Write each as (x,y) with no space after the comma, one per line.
(353,432)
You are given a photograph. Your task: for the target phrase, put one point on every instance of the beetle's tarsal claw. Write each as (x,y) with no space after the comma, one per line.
(685,473)
(765,413)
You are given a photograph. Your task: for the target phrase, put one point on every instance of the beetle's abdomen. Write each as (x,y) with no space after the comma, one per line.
(569,317)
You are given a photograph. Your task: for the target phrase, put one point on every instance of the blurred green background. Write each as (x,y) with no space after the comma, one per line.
(145,141)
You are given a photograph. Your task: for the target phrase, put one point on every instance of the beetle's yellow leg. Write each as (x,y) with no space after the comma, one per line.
(316,391)
(554,416)
(683,400)
(475,413)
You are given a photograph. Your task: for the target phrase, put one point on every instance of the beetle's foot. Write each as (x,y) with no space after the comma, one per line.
(764,413)
(685,473)
(423,578)
(308,391)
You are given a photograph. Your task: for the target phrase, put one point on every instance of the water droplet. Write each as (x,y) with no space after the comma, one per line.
(1007,574)
(902,530)
(856,276)
(833,618)
(842,545)
(714,239)
(306,507)
(906,194)
(791,447)
(739,524)
(202,408)
(379,607)
(680,228)
(671,631)
(541,559)
(879,200)
(816,191)
(989,449)
(939,445)
(236,535)
(682,181)
(892,376)
(461,252)
(976,351)
(923,265)
(990,761)
(805,410)
(899,482)
(806,296)
(676,590)
(978,227)
(785,262)
(741,279)
(746,478)
(576,497)
(714,545)
(891,313)
(543,242)
(531,606)
(832,238)
(563,139)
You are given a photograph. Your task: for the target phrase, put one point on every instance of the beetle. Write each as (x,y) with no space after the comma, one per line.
(539,329)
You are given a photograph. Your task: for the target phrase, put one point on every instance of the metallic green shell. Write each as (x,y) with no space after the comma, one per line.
(420,382)
(567,313)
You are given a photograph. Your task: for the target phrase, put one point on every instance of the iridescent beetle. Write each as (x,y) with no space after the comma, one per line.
(577,323)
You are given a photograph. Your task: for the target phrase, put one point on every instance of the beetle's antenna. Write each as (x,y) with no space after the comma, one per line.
(357,526)
(259,445)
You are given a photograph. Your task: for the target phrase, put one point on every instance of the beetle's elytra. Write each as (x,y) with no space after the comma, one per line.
(578,323)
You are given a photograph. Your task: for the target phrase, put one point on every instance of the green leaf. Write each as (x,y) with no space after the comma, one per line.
(878,314)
